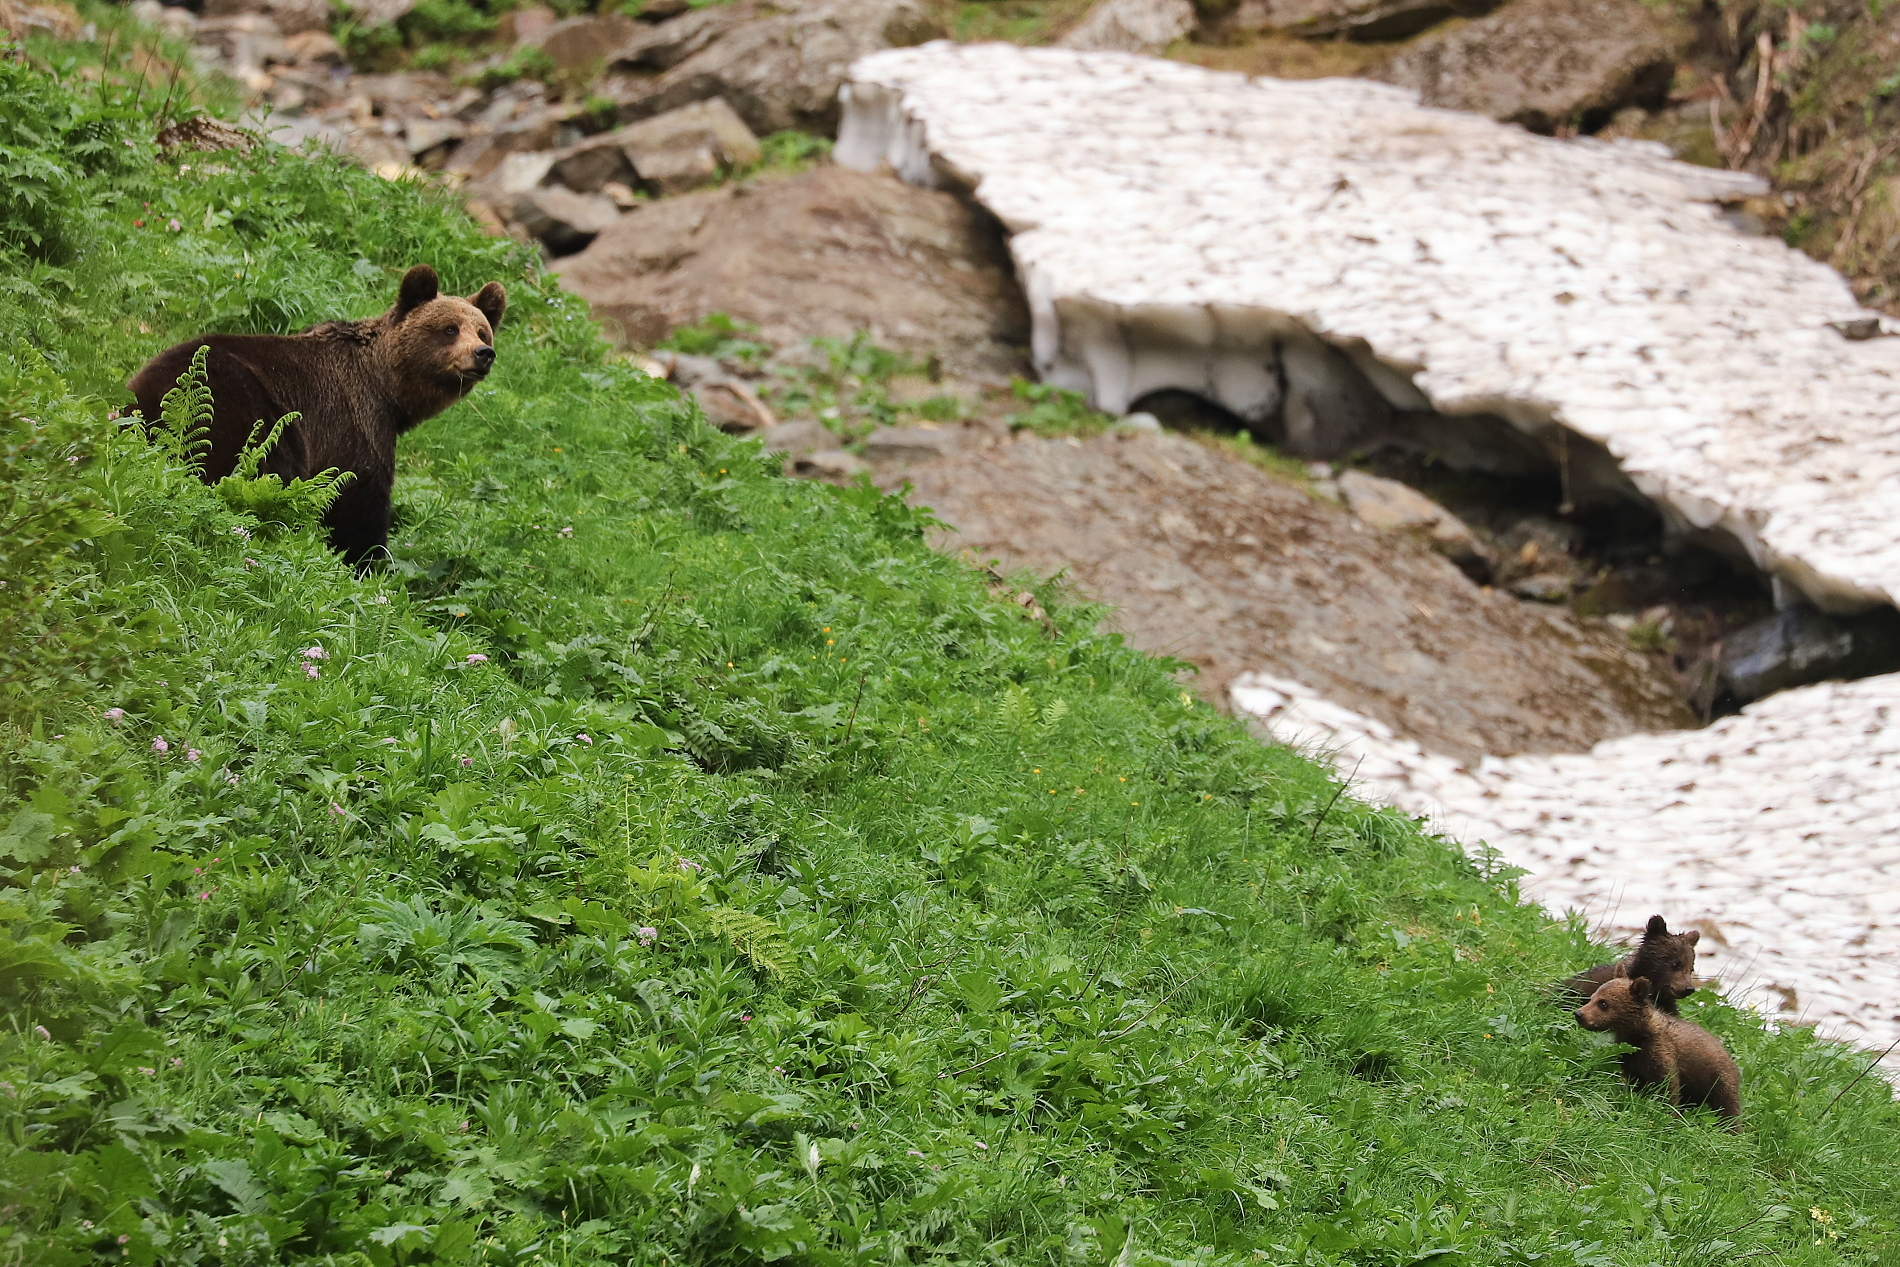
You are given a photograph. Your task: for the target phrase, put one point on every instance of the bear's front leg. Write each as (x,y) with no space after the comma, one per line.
(359,522)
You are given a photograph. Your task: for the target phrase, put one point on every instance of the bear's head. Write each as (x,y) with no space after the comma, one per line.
(435,348)
(1666,958)
(1619,1004)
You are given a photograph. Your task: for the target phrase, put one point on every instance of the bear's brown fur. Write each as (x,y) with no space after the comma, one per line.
(358,385)
(1667,959)
(1686,1061)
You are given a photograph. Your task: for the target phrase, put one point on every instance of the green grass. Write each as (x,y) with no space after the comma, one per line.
(666,862)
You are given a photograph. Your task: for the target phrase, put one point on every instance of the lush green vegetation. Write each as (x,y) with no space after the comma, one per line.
(663,861)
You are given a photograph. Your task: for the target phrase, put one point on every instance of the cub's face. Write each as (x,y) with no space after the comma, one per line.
(1616,1003)
(1668,958)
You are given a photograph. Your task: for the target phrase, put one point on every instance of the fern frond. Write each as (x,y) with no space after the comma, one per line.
(757,938)
(186,413)
(251,457)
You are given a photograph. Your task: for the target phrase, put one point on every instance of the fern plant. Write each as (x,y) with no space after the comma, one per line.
(187,412)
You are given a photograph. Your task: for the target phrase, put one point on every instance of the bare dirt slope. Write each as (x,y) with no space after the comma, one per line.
(1214,561)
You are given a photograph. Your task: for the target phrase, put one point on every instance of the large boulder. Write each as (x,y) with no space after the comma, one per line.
(779,70)
(828,252)
(1132,26)
(579,46)
(1394,507)
(564,220)
(1548,64)
(290,16)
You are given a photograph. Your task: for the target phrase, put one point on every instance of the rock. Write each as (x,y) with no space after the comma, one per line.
(1543,587)
(827,252)
(314,49)
(1799,645)
(535,129)
(292,17)
(779,70)
(1548,64)
(564,220)
(524,26)
(374,13)
(1132,26)
(1138,422)
(731,405)
(1352,19)
(669,153)
(1394,507)
(19,19)
(903,445)
(833,465)
(580,46)
(240,45)
(425,134)
(799,437)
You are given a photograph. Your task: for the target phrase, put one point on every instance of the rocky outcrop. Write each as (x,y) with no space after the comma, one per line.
(1482,280)
(1798,645)
(778,69)
(1213,561)
(828,252)
(562,219)
(19,19)
(1132,26)
(1549,64)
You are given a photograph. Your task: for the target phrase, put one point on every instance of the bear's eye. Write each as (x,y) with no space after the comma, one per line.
(1602,1006)
(450,329)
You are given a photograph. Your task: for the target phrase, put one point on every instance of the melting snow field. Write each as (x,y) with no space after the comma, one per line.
(1177,227)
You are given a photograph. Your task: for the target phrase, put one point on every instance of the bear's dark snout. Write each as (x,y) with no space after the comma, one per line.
(484,359)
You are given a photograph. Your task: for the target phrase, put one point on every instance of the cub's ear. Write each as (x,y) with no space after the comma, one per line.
(1691,937)
(1657,926)
(491,301)
(419,286)
(1639,989)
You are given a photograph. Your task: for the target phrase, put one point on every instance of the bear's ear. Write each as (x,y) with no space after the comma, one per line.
(1657,927)
(1691,937)
(491,301)
(1639,989)
(419,286)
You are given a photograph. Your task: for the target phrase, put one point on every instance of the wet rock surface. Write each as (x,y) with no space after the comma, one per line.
(1799,645)
(1209,559)
(1133,26)
(829,252)
(1548,64)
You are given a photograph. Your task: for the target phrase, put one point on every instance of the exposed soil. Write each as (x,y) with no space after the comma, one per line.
(1216,562)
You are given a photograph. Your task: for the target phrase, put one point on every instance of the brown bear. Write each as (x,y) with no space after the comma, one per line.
(1667,959)
(358,385)
(1686,1061)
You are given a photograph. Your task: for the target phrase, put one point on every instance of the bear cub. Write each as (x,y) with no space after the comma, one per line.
(1686,1061)
(1666,959)
(358,385)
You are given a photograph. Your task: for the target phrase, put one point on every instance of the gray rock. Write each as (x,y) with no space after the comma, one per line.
(669,153)
(827,252)
(580,46)
(289,16)
(564,220)
(1394,507)
(799,437)
(425,134)
(911,444)
(373,13)
(1548,64)
(314,49)
(1352,19)
(778,69)
(730,404)
(833,465)
(1132,26)
(1799,645)
(1544,587)
(1138,422)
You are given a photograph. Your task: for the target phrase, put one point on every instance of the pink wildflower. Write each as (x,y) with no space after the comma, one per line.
(192,755)
(467,762)
(478,658)
(336,809)
(160,746)
(583,737)
(312,671)
(315,652)
(42,1031)
(646,935)
(115,715)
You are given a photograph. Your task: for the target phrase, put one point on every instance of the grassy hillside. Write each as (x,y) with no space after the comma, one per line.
(666,862)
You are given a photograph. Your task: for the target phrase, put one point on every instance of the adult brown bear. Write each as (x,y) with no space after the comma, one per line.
(358,385)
